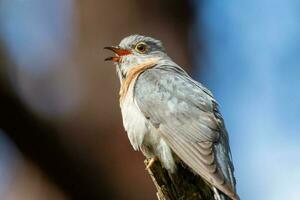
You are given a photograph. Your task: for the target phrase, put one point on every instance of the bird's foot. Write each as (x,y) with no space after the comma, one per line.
(151,162)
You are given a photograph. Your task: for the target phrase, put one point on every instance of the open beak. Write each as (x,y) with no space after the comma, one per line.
(119,53)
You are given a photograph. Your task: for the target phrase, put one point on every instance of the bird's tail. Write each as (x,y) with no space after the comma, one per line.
(221,196)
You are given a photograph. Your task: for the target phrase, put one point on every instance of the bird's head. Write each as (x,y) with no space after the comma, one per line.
(136,50)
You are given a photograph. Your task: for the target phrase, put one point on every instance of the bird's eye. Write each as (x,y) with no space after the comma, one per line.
(141,47)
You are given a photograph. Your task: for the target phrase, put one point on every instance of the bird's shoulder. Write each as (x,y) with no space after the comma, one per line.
(166,84)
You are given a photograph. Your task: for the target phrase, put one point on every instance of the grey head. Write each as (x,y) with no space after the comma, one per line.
(142,45)
(134,50)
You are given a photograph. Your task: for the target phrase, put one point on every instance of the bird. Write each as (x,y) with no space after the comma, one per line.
(168,114)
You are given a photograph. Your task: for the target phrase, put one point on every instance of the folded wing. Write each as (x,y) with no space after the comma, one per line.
(185,114)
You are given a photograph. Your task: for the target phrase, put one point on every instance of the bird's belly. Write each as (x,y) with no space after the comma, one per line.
(143,136)
(134,123)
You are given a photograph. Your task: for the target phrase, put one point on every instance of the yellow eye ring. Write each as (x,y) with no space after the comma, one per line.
(141,47)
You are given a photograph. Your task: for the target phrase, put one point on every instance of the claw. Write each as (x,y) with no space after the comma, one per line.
(151,162)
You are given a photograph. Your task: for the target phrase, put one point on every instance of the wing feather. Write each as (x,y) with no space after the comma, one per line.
(184,114)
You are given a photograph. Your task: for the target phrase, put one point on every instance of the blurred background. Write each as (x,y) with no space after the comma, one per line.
(61,135)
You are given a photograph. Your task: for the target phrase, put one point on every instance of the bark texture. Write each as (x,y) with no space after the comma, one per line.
(182,185)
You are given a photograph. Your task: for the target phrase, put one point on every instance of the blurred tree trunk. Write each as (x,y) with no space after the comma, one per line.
(40,142)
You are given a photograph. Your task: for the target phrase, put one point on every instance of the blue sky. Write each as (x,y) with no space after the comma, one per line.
(252,65)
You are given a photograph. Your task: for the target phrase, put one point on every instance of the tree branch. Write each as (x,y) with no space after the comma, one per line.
(182,185)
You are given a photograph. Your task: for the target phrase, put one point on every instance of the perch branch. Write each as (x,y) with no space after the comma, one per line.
(181,185)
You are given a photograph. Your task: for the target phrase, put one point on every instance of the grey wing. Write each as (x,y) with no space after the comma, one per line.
(186,116)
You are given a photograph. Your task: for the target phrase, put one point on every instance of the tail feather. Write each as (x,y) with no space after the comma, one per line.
(221,196)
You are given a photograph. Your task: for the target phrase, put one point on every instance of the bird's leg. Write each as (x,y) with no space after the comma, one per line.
(150,163)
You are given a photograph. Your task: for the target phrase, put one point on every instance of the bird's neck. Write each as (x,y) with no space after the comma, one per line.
(132,74)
